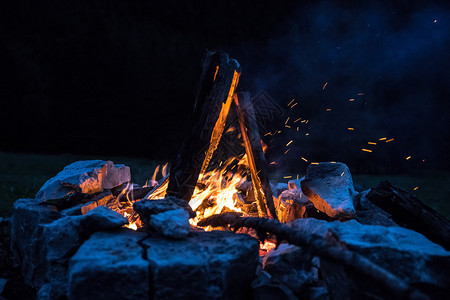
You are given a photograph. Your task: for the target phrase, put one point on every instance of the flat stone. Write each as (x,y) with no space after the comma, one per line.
(27,241)
(404,252)
(206,265)
(90,176)
(110,265)
(172,223)
(329,186)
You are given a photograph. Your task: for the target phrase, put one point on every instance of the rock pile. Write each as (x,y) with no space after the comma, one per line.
(70,243)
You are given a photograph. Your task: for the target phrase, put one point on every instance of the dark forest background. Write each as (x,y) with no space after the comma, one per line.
(119,77)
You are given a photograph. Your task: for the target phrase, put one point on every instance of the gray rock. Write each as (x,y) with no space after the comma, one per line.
(206,265)
(172,223)
(62,239)
(168,216)
(110,265)
(64,236)
(265,287)
(404,252)
(91,176)
(290,266)
(330,187)
(27,240)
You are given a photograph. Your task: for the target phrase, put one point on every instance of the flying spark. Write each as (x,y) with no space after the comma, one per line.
(325,85)
(382,139)
(291,102)
(294,104)
(408,157)
(366,150)
(390,140)
(304,159)
(416,188)
(371,143)
(351,128)
(288,143)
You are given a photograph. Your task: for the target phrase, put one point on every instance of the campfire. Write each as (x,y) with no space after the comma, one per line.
(213,184)
(215,227)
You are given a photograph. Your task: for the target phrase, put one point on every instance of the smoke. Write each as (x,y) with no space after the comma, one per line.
(393,60)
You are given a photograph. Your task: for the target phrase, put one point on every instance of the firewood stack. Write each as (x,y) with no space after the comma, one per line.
(215,97)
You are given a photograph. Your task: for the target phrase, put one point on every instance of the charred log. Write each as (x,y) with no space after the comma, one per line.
(218,80)
(410,212)
(255,155)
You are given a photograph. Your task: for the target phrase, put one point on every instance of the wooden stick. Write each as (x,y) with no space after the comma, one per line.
(255,155)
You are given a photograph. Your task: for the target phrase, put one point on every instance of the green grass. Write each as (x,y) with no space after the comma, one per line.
(22,175)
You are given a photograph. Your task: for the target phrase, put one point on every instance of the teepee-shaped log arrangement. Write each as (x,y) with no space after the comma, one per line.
(215,97)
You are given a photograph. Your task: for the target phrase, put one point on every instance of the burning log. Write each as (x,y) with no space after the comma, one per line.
(255,155)
(218,80)
(330,249)
(410,212)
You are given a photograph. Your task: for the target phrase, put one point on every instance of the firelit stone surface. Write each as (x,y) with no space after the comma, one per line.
(206,265)
(404,252)
(27,242)
(90,176)
(110,265)
(291,205)
(330,187)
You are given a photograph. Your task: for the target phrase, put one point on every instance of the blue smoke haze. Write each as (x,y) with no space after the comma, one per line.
(399,59)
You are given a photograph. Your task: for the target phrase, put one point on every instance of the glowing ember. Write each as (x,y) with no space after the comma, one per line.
(266,247)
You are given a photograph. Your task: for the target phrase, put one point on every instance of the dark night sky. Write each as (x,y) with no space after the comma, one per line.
(118,77)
